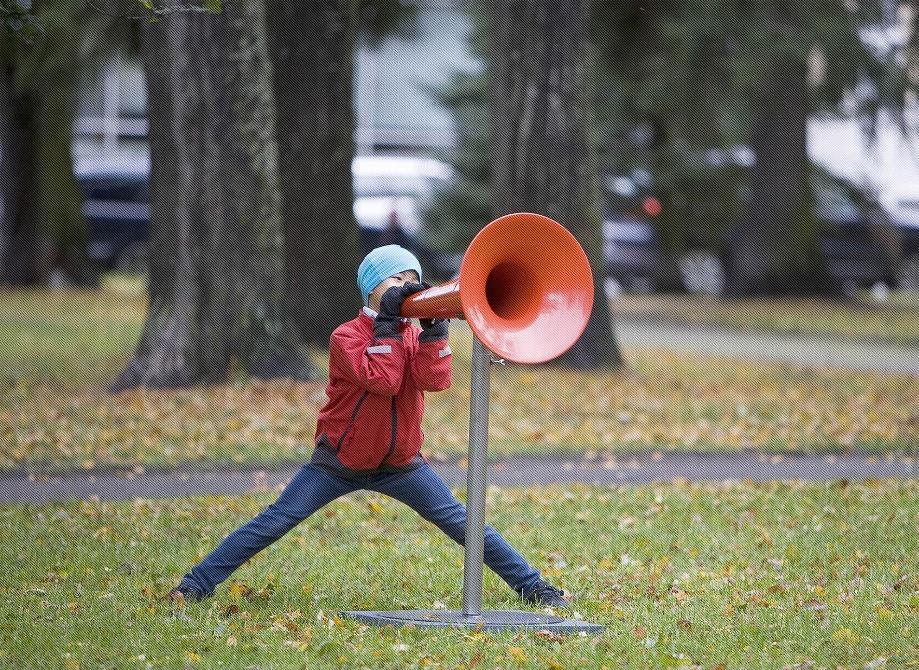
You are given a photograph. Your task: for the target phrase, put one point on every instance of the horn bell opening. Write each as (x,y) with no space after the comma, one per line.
(526,288)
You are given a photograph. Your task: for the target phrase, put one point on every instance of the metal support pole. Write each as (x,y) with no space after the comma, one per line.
(475,479)
(472,615)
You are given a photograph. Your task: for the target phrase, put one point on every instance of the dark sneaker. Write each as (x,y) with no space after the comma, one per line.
(546,594)
(183,594)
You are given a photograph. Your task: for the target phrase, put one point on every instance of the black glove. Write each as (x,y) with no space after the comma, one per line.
(434,329)
(387,322)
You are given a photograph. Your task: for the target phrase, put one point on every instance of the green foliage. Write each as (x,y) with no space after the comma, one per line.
(18,19)
(682,79)
(462,209)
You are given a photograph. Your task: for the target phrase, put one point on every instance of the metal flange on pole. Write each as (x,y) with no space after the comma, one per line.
(472,615)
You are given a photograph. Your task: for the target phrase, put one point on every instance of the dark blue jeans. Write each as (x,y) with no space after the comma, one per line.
(421,489)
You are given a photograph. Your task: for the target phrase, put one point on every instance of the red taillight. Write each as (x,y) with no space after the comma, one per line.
(651,206)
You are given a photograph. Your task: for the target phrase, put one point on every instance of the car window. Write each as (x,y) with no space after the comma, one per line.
(832,202)
(117,188)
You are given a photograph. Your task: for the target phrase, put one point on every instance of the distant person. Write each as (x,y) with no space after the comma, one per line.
(393,232)
(368,434)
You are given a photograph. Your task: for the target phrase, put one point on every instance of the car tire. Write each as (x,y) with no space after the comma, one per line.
(702,272)
(909,273)
(134,259)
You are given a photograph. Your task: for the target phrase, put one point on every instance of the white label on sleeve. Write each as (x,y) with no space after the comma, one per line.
(444,352)
(380,349)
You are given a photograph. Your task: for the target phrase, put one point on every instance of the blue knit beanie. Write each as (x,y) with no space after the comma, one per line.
(381,264)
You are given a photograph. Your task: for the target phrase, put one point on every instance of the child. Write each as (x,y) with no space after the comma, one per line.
(368,434)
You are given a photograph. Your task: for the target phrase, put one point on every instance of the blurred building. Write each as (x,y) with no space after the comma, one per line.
(395,109)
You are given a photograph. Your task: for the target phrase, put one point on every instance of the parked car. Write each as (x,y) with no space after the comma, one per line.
(855,243)
(116,205)
(632,250)
(389,195)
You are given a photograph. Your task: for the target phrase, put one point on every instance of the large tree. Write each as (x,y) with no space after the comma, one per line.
(687,83)
(543,155)
(313,87)
(315,125)
(41,224)
(216,285)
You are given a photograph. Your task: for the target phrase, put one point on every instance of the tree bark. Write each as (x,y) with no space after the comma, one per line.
(776,250)
(43,223)
(217,265)
(21,257)
(777,241)
(543,149)
(315,131)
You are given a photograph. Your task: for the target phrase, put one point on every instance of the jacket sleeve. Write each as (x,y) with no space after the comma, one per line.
(375,365)
(432,365)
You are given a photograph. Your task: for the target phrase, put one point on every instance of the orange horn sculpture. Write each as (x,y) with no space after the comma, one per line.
(525,287)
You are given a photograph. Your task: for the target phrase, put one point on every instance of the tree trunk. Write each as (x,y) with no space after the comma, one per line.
(61,200)
(44,225)
(543,148)
(216,266)
(776,250)
(23,254)
(315,131)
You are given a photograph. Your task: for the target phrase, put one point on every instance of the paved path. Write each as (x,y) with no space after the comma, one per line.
(812,351)
(522,471)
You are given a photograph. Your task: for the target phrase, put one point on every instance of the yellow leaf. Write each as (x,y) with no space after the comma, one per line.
(846,635)
(238,588)
(527,379)
(517,654)
(193,656)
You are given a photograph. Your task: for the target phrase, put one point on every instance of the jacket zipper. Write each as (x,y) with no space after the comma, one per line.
(350,425)
(393,427)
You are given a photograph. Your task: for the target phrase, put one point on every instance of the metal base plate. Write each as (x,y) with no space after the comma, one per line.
(488,620)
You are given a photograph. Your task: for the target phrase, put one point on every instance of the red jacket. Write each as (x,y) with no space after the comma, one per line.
(376,393)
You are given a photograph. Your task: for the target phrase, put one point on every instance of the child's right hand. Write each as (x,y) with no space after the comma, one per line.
(387,321)
(391,301)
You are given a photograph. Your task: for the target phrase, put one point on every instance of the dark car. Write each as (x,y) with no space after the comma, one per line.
(860,244)
(632,251)
(116,205)
(857,242)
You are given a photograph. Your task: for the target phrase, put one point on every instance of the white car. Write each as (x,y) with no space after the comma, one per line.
(390,195)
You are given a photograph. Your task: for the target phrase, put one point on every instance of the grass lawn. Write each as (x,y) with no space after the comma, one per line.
(896,321)
(733,575)
(60,349)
